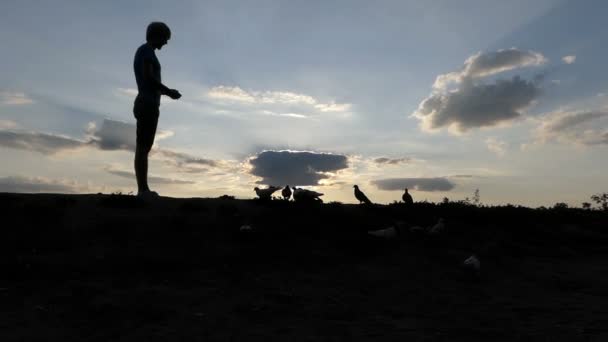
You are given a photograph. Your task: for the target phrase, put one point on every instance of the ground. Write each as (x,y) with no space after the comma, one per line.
(115,268)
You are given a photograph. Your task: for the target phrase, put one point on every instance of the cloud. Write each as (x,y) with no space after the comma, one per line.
(295,168)
(473,103)
(131,92)
(463,176)
(490,63)
(118,135)
(151,179)
(274,98)
(419,184)
(569,59)
(579,127)
(477,105)
(185,162)
(7,124)
(392,161)
(37,185)
(288,115)
(14,98)
(113,135)
(496,146)
(38,142)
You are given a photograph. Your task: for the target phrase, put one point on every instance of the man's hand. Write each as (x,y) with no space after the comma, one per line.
(174,94)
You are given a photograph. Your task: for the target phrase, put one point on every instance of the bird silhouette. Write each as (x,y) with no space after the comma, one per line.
(265,194)
(361,196)
(304,195)
(407,198)
(438,227)
(286,192)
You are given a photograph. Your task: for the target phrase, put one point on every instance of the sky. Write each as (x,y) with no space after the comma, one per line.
(442,97)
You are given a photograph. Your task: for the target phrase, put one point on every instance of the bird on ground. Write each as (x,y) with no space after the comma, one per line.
(438,227)
(304,195)
(386,233)
(472,263)
(407,198)
(361,196)
(286,192)
(265,194)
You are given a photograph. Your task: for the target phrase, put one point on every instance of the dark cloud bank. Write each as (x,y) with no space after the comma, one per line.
(295,168)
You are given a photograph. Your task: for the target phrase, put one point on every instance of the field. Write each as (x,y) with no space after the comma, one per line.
(116,268)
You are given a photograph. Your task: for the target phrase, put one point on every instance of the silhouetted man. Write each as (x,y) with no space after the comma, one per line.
(147,102)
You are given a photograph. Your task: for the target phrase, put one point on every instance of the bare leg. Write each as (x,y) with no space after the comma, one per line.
(141,168)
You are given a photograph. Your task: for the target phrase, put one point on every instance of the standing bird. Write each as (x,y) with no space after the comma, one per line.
(286,193)
(407,198)
(361,196)
(265,194)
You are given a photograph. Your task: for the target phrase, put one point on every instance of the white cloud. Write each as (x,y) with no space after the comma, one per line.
(128,91)
(288,115)
(496,146)
(333,107)
(14,98)
(230,93)
(276,98)
(578,127)
(490,63)
(569,59)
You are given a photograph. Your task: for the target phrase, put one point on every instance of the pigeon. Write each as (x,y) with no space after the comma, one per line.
(407,198)
(472,263)
(245,228)
(386,233)
(304,195)
(286,192)
(416,229)
(361,196)
(265,194)
(437,228)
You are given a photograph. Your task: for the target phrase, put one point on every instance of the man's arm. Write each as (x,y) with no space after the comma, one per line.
(149,77)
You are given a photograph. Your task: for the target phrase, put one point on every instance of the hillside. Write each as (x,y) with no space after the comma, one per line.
(113,267)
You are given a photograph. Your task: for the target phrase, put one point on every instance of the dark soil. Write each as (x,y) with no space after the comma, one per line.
(115,268)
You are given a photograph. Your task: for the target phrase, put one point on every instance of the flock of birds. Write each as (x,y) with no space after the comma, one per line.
(305,195)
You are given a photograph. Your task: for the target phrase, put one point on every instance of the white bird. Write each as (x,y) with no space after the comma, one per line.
(265,194)
(437,228)
(245,228)
(305,195)
(472,263)
(386,233)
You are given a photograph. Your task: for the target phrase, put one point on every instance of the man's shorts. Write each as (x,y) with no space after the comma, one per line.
(146,114)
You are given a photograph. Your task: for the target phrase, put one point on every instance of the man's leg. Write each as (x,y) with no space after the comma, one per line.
(146,129)
(141,168)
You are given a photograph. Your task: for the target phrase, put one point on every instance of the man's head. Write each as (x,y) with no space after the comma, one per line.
(158,34)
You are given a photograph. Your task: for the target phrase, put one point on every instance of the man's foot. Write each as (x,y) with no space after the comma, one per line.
(147,194)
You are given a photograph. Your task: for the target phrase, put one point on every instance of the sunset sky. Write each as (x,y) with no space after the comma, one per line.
(444,97)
